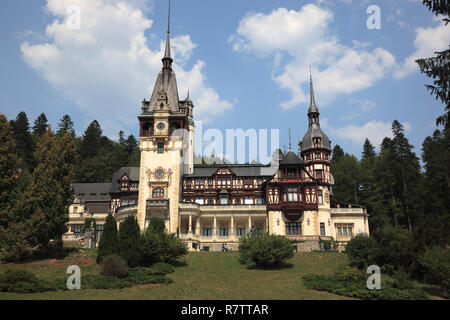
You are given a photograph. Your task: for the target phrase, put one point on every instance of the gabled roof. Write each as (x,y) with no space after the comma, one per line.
(291,158)
(92,191)
(132,173)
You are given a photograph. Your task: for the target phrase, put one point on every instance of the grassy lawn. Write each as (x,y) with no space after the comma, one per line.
(206,275)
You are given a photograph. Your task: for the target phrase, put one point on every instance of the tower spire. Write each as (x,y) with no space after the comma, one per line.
(312,107)
(167,60)
(290,143)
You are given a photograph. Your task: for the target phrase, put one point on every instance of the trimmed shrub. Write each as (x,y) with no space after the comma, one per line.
(264,250)
(147,275)
(114,266)
(161,268)
(129,242)
(109,242)
(362,251)
(104,282)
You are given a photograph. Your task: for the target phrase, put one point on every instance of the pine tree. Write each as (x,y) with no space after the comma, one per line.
(8,171)
(438,67)
(407,172)
(337,154)
(22,136)
(109,242)
(91,140)
(66,126)
(40,125)
(51,187)
(346,171)
(129,241)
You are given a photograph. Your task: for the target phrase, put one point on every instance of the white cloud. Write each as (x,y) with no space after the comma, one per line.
(306,36)
(374,130)
(106,67)
(427,42)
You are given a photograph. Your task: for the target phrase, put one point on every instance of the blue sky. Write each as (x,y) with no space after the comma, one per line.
(245,63)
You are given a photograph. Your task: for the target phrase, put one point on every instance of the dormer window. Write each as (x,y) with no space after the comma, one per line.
(161,106)
(158,193)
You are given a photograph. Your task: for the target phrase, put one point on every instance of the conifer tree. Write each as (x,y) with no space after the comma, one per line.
(22,136)
(129,241)
(51,187)
(66,126)
(109,242)
(91,140)
(438,67)
(40,125)
(8,171)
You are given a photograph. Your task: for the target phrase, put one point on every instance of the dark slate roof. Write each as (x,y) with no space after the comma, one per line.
(240,170)
(131,172)
(314,131)
(291,158)
(88,189)
(166,81)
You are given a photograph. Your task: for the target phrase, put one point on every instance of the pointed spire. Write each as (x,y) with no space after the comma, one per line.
(290,143)
(167,60)
(312,107)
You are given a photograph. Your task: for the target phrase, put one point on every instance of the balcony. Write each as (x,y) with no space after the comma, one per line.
(157,203)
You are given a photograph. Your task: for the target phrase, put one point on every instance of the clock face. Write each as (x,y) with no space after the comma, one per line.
(159,173)
(160,126)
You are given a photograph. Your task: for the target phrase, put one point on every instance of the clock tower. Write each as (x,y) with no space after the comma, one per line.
(166,144)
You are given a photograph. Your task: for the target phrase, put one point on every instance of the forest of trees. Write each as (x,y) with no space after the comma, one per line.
(37,168)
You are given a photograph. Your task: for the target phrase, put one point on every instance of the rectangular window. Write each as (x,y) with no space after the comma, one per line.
(75,209)
(293,229)
(259,201)
(319,174)
(76,228)
(223,232)
(240,232)
(320,197)
(317,156)
(160,147)
(292,174)
(322,228)
(345,231)
(223,200)
(292,194)
(206,232)
(248,200)
(199,201)
(210,181)
(350,231)
(339,230)
(132,201)
(124,202)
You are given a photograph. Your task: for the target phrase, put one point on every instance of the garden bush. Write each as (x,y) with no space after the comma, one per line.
(353,284)
(23,281)
(264,250)
(433,267)
(362,251)
(114,266)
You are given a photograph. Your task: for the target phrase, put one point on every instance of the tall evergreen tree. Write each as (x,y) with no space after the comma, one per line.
(40,125)
(51,187)
(109,242)
(66,126)
(438,67)
(129,241)
(92,139)
(8,170)
(337,154)
(23,139)
(346,173)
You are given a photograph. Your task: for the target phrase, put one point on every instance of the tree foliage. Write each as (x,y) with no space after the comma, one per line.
(109,242)
(264,250)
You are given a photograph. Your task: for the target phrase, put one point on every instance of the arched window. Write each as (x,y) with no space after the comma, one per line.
(158,193)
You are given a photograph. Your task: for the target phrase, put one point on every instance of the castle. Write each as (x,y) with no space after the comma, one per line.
(210,207)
